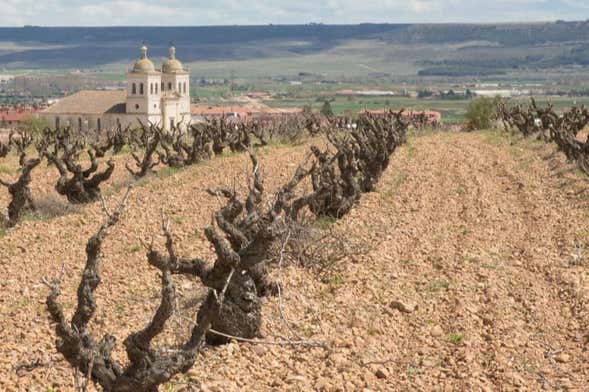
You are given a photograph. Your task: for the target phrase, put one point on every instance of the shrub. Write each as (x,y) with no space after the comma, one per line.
(326,109)
(480,113)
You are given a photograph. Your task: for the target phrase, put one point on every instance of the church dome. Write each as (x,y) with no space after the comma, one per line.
(143,64)
(172,64)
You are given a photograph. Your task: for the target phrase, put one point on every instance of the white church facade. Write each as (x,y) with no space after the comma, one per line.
(154,96)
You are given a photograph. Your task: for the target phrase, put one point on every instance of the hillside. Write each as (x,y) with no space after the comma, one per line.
(448,50)
(484,242)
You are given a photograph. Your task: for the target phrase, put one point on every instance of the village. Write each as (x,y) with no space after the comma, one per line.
(137,100)
(82,99)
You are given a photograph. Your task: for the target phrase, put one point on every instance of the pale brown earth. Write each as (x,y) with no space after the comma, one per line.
(482,242)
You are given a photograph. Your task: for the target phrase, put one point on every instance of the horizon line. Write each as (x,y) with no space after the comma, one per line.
(547,21)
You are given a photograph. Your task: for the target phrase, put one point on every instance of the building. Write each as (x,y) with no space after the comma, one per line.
(241,113)
(202,112)
(155,96)
(366,93)
(432,116)
(11,118)
(501,93)
(5,78)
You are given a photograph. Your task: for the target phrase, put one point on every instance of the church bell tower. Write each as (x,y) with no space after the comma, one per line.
(143,87)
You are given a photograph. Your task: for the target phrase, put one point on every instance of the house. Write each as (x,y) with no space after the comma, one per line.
(10,119)
(258,95)
(433,117)
(201,112)
(268,114)
(240,113)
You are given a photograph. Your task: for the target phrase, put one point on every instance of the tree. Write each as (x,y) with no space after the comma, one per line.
(480,113)
(424,93)
(326,109)
(33,125)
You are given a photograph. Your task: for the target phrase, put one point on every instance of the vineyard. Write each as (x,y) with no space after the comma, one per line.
(310,254)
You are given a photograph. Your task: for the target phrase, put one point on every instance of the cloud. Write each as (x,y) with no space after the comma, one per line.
(227,12)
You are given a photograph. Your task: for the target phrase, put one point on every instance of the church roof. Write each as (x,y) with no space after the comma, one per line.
(144,64)
(172,64)
(90,102)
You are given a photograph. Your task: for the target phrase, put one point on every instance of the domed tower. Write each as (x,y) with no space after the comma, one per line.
(176,84)
(143,89)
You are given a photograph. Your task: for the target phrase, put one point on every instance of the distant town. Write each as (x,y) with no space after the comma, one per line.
(25,95)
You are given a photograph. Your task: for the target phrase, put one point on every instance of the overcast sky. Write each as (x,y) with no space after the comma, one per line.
(229,12)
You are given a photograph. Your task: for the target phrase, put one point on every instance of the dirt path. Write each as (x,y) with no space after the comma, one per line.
(475,233)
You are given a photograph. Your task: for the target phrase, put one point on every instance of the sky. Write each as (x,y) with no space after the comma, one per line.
(248,12)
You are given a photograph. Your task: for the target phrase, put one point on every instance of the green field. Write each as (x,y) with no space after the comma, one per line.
(313,95)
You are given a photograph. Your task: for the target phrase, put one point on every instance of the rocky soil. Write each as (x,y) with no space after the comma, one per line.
(473,276)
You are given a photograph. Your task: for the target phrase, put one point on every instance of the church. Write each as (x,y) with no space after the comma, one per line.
(154,96)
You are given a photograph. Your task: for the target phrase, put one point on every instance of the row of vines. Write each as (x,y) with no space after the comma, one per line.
(246,233)
(544,123)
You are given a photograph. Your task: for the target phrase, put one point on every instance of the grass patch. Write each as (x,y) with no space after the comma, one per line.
(227,153)
(438,285)
(372,331)
(52,206)
(399,180)
(461,229)
(409,145)
(460,191)
(169,387)
(144,181)
(334,282)
(577,255)
(524,164)
(135,249)
(278,142)
(168,171)
(23,302)
(526,366)
(456,338)
(496,137)
(324,222)
(493,265)
(6,170)
(124,150)
(35,217)
(415,371)
(470,258)
(2,232)
(198,234)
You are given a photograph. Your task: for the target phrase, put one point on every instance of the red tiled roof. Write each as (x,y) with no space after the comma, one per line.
(14,116)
